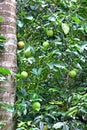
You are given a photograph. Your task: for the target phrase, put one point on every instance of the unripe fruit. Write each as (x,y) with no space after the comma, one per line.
(72,73)
(49,33)
(21,44)
(45,128)
(55,1)
(28,52)
(24,74)
(75,70)
(45,45)
(36,106)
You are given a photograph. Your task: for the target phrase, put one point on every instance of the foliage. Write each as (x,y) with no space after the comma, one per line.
(62,97)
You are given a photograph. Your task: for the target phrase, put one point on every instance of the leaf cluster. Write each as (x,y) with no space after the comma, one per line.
(63,99)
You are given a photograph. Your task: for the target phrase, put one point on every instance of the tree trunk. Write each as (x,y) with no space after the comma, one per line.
(8,60)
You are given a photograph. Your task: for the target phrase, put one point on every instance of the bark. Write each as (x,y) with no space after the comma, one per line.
(8,60)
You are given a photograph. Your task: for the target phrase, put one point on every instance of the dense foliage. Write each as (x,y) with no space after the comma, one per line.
(52,65)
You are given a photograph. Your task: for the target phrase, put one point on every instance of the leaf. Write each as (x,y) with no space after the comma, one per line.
(2,38)
(34,97)
(1,46)
(74,1)
(2,89)
(6,106)
(50,115)
(53,90)
(21,124)
(60,66)
(2,123)
(41,125)
(20,23)
(58,125)
(4,71)
(37,71)
(56,102)
(72,111)
(31,60)
(77,20)
(25,112)
(83,47)
(65,127)
(65,28)
(30,48)
(2,78)
(52,18)
(79,66)
(29,17)
(1,19)
(51,65)
(29,123)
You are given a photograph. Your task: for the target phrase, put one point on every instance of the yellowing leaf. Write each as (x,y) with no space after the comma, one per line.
(56,102)
(65,28)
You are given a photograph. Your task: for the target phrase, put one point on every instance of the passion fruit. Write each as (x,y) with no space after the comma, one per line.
(28,52)
(24,74)
(45,45)
(21,45)
(36,106)
(72,73)
(50,33)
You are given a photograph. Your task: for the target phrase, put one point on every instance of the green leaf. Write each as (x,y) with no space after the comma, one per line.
(58,125)
(66,127)
(72,111)
(20,23)
(76,19)
(2,78)
(29,17)
(60,66)
(83,47)
(53,90)
(65,28)
(37,71)
(2,40)
(51,65)
(56,102)
(1,19)
(1,46)
(52,18)
(2,123)
(74,1)
(4,71)
(7,106)
(2,37)
(2,89)
(31,60)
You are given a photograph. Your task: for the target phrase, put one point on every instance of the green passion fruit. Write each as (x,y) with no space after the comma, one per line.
(50,33)
(45,44)
(75,70)
(24,74)
(72,73)
(28,52)
(36,106)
